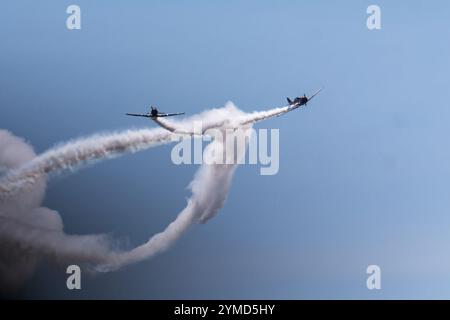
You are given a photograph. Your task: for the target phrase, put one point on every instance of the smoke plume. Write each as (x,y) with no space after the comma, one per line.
(29,232)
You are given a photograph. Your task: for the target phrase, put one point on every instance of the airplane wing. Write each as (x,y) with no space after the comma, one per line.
(315,93)
(169,114)
(138,115)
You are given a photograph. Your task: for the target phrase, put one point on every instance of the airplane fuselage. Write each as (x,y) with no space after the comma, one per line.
(298,102)
(301,100)
(154,112)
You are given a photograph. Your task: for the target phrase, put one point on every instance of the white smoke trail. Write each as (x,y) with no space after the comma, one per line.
(257,116)
(188,127)
(209,191)
(38,231)
(77,152)
(29,231)
(73,154)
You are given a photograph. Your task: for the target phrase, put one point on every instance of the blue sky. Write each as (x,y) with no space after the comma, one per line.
(364,170)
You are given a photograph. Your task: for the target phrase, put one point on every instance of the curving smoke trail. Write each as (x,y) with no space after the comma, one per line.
(28,231)
(209,188)
(188,127)
(74,153)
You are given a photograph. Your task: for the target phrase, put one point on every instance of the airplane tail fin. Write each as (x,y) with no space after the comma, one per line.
(289,100)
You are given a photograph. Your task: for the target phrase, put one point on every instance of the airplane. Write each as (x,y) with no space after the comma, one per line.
(300,101)
(154,113)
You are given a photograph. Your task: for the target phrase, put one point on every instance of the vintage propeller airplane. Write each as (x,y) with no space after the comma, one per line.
(300,101)
(154,113)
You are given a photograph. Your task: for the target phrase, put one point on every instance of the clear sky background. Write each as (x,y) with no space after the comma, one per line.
(364,169)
